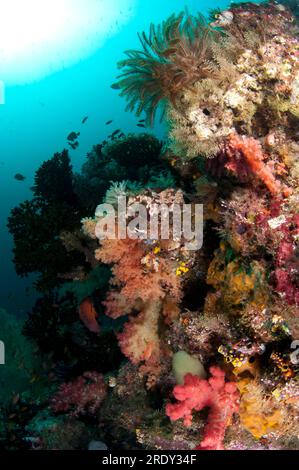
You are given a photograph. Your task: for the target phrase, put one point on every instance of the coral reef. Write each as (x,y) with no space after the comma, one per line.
(148,316)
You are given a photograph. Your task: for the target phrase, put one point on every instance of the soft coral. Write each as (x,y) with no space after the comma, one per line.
(245,156)
(221,397)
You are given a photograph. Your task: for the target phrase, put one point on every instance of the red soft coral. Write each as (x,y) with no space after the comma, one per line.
(245,156)
(83,395)
(221,397)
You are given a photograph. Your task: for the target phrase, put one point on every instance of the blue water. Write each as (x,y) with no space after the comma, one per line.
(37,117)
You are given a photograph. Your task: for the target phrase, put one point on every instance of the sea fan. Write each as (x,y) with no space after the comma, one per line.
(174,55)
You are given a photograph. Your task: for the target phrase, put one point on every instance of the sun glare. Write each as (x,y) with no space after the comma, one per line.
(38,37)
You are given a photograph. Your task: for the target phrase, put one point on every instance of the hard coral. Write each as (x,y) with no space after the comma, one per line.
(221,397)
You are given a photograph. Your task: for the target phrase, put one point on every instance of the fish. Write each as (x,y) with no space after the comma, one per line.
(140,125)
(74,145)
(118,131)
(141,120)
(88,315)
(73,136)
(19,177)
(109,122)
(84,119)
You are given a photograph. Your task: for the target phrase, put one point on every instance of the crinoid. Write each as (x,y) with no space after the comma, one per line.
(174,56)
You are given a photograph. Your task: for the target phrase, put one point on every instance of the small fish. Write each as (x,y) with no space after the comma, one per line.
(88,315)
(84,119)
(74,145)
(121,135)
(109,122)
(140,125)
(19,177)
(141,120)
(118,131)
(73,136)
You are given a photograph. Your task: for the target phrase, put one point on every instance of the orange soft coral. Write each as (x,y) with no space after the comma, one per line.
(146,284)
(141,282)
(136,280)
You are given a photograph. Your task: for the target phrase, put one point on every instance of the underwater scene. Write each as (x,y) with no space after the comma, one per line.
(149,295)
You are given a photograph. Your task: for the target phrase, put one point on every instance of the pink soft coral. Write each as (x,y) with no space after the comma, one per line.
(221,397)
(83,395)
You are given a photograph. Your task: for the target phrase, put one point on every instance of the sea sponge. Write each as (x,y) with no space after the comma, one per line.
(258,414)
(183,363)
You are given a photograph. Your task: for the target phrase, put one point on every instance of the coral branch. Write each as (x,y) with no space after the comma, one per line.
(222,399)
(251,150)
